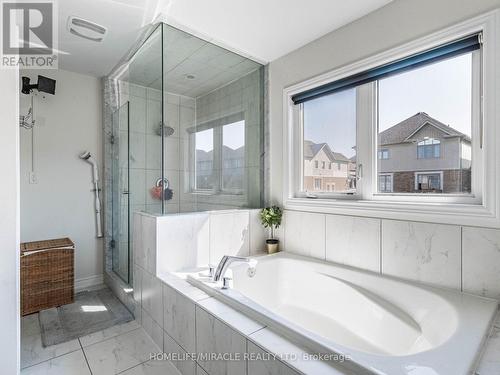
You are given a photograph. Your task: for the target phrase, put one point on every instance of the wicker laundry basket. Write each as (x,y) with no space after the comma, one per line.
(47,274)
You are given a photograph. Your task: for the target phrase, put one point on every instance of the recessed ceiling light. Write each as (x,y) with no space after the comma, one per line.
(190,76)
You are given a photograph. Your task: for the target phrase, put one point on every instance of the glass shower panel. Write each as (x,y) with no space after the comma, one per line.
(146,126)
(191,133)
(120,243)
(214,105)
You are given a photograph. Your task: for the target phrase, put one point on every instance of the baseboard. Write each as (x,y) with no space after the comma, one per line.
(87,282)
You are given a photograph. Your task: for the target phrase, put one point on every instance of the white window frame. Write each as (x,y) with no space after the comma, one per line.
(217,164)
(479,209)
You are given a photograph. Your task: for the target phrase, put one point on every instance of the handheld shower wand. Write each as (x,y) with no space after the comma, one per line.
(89,159)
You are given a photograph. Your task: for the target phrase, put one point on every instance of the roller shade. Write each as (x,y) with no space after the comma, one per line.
(458,47)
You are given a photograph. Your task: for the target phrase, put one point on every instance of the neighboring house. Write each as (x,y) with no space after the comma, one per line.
(324,170)
(233,168)
(421,154)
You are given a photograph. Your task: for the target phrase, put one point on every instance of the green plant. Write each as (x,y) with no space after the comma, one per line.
(271,218)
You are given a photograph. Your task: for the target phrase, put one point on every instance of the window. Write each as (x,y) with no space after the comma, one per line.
(426,182)
(219,156)
(383,154)
(329,132)
(429,148)
(316,164)
(385,183)
(329,165)
(204,159)
(233,156)
(413,133)
(317,184)
(323,165)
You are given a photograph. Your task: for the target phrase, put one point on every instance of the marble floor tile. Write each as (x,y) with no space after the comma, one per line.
(68,364)
(32,351)
(108,333)
(30,325)
(120,353)
(153,368)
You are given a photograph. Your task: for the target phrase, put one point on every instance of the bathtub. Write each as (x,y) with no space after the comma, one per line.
(383,324)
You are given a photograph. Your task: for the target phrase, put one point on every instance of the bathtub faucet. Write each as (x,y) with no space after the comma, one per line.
(227,260)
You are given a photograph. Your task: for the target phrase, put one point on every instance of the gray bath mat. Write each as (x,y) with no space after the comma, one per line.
(91,312)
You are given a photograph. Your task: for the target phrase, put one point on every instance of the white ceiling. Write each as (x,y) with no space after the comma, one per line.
(208,65)
(261,29)
(265,29)
(124,20)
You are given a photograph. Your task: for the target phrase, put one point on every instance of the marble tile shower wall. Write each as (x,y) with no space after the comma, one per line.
(146,145)
(241,96)
(461,258)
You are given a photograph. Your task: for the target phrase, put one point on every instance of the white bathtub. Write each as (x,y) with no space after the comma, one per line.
(385,325)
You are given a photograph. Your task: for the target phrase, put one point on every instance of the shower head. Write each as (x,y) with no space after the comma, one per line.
(167,130)
(85,156)
(88,158)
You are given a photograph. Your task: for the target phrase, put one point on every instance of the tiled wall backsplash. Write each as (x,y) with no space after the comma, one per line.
(461,258)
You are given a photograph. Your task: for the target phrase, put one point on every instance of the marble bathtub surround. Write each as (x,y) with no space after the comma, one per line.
(422,252)
(353,241)
(216,326)
(451,256)
(213,336)
(481,261)
(178,315)
(271,366)
(175,242)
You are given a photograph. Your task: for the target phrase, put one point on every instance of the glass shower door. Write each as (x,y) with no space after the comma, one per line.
(120,243)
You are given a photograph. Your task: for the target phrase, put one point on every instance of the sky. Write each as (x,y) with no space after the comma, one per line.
(442,90)
(233,136)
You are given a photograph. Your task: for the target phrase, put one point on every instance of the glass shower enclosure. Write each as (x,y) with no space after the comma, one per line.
(186,134)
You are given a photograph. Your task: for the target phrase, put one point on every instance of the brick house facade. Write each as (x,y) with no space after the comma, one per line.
(422,155)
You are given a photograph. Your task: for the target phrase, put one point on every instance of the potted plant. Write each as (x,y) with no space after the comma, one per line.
(271,219)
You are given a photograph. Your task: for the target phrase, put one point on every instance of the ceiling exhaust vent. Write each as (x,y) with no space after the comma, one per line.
(86,29)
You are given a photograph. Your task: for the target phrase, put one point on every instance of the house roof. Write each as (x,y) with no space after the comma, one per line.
(311,149)
(402,131)
(228,153)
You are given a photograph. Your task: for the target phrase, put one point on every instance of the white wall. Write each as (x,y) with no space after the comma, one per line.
(397,23)
(9,222)
(61,203)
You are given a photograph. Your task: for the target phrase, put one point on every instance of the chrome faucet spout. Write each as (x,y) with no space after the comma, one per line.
(226,261)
